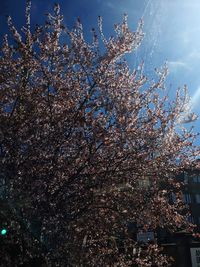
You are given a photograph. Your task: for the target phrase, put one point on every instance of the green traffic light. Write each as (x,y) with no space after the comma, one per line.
(3,231)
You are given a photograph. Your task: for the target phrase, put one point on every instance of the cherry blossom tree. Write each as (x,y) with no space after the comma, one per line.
(87,146)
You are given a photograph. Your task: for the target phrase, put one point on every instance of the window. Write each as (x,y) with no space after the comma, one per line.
(173,197)
(2,187)
(196,179)
(144,183)
(187,198)
(197,198)
(186,178)
(190,219)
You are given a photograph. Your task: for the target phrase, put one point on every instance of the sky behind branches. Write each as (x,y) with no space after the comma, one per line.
(172,32)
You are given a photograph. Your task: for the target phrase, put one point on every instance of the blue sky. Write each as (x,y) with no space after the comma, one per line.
(172,32)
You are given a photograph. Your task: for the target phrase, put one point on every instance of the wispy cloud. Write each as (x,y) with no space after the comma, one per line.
(194,54)
(177,65)
(110,4)
(188,115)
(195,98)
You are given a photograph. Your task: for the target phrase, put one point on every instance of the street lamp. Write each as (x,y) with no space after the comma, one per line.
(3,231)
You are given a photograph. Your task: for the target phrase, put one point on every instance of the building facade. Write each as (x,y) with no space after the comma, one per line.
(182,246)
